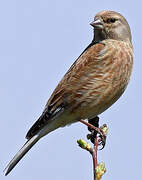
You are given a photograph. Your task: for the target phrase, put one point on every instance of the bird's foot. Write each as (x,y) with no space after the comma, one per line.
(101,136)
(96,131)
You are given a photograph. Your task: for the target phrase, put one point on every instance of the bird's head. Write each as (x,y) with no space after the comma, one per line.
(110,25)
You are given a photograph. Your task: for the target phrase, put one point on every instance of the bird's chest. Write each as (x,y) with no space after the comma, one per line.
(104,86)
(115,80)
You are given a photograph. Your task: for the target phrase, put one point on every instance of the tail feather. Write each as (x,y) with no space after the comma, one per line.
(26,147)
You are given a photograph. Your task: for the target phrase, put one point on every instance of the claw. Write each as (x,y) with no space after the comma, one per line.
(96,132)
(102,135)
(102,142)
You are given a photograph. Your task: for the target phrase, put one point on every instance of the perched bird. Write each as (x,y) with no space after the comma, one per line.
(92,84)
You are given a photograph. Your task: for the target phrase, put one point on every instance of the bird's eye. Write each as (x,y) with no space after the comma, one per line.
(111,20)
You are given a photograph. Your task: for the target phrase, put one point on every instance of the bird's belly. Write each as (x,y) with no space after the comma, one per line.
(91,108)
(85,110)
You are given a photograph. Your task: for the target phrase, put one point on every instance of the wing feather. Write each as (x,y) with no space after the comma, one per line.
(64,94)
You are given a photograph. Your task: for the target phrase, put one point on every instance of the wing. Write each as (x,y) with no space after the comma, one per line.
(64,95)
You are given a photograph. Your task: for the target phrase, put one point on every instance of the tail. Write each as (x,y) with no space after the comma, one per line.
(26,147)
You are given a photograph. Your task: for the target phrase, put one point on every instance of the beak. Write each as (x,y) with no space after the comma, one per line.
(97,23)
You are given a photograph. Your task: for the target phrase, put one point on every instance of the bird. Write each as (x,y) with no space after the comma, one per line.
(94,82)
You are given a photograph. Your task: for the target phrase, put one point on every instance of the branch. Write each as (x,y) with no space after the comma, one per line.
(98,138)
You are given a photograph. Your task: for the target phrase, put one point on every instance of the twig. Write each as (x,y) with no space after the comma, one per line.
(93,127)
(94,156)
(89,125)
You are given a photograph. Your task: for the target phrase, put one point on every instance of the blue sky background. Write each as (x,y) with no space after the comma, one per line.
(39,40)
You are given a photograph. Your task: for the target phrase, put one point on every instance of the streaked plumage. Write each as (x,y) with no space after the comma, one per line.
(93,83)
